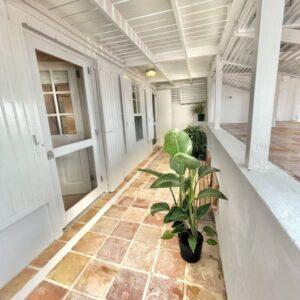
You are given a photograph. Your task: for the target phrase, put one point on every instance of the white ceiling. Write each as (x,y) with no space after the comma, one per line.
(178,37)
(172,31)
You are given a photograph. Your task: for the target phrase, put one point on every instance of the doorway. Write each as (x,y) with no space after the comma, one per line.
(69,114)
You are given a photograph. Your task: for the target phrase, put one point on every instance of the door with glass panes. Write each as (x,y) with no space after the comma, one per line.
(64,113)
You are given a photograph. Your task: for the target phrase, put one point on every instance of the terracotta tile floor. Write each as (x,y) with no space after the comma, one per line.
(285,144)
(123,257)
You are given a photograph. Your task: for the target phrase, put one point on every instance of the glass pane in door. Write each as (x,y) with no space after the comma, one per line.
(76,175)
(64,100)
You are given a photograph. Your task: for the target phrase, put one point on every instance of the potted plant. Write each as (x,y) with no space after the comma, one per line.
(185,211)
(199,109)
(199,140)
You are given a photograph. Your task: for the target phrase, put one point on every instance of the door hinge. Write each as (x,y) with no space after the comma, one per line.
(96,132)
(101,178)
(88,70)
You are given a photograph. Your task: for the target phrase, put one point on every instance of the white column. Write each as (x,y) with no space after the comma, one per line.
(269,19)
(209,99)
(218,95)
(3,9)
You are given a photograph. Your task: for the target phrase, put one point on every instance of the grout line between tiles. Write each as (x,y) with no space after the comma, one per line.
(42,274)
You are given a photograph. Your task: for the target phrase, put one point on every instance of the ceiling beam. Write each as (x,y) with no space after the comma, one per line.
(202,51)
(226,62)
(178,20)
(290,36)
(113,15)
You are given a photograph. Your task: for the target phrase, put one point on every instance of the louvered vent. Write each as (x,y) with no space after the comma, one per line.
(176,94)
(190,94)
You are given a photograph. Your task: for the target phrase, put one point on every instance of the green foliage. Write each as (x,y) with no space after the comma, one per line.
(157,207)
(202,210)
(199,108)
(192,242)
(152,172)
(211,242)
(166,181)
(211,193)
(199,141)
(177,142)
(185,213)
(167,235)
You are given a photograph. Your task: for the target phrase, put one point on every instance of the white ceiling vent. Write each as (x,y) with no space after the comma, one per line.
(190,94)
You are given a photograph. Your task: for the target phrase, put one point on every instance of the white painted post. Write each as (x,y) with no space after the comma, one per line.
(3,9)
(269,20)
(218,95)
(210,99)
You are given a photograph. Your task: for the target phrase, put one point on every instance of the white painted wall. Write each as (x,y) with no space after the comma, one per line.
(288,102)
(164,113)
(182,115)
(235,105)
(258,226)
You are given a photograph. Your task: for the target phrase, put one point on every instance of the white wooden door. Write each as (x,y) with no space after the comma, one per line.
(64,113)
(69,151)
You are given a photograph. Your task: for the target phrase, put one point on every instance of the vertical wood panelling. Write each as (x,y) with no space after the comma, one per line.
(126,85)
(22,188)
(113,125)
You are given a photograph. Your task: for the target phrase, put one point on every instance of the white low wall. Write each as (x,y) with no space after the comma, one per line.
(258,227)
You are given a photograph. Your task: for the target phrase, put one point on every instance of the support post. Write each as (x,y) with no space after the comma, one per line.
(210,99)
(269,20)
(218,95)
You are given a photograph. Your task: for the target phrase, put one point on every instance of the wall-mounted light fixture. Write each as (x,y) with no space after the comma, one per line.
(151,73)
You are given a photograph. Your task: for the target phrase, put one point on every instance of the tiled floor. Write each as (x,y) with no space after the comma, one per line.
(285,144)
(123,257)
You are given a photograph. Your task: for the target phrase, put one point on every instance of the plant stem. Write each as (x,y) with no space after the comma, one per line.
(174,199)
(191,212)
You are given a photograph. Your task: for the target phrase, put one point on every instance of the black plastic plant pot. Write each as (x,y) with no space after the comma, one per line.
(186,252)
(201,117)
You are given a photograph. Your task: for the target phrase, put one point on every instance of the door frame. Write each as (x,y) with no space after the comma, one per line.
(36,42)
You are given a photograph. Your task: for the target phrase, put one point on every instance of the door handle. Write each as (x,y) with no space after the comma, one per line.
(50,155)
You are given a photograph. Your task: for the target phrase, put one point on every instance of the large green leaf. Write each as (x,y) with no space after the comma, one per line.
(192,242)
(167,235)
(211,242)
(175,214)
(209,231)
(177,141)
(166,181)
(152,172)
(161,206)
(188,161)
(177,167)
(206,170)
(202,210)
(211,193)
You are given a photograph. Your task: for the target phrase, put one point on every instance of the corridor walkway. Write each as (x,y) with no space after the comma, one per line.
(120,255)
